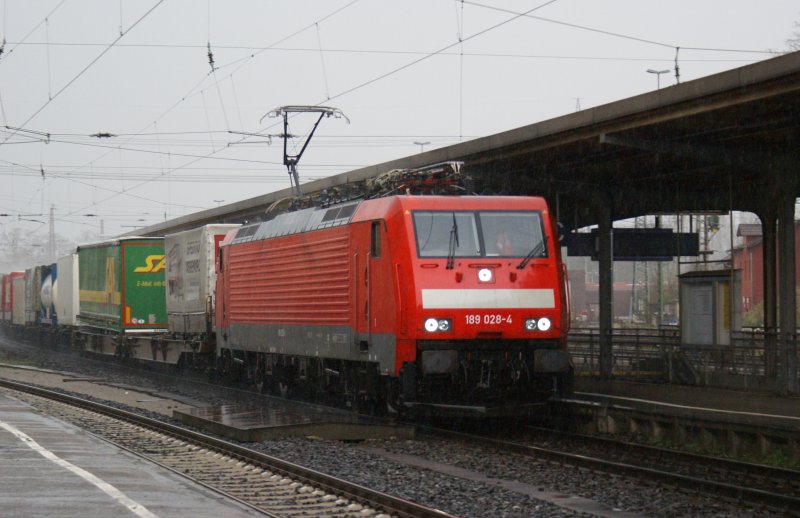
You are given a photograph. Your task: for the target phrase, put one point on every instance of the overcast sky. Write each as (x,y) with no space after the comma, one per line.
(430,71)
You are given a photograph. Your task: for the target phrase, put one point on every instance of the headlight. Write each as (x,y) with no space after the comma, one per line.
(485,275)
(540,324)
(433,325)
(543,324)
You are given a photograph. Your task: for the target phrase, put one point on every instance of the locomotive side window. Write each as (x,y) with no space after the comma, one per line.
(375,242)
(439,232)
(513,234)
(479,234)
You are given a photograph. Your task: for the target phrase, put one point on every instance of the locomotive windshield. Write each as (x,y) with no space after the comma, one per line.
(479,234)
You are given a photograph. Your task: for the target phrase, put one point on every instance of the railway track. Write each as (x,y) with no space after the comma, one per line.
(266,484)
(759,477)
(755,485)
(773,488)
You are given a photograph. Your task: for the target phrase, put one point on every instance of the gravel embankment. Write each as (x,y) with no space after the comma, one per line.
(459,478)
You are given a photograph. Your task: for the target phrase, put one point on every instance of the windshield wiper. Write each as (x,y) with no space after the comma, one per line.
(537,249)
(451,248)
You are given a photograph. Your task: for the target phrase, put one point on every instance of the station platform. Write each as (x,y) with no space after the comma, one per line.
(751,408)
(51,468)
(694,396)
(275,418)
(264,418)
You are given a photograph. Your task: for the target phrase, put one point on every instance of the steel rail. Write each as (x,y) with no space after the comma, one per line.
(390,504)
(777,501)
(718,464)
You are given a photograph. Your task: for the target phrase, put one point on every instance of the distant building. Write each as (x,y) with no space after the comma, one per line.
(749,258)
(623,299)
(577,294)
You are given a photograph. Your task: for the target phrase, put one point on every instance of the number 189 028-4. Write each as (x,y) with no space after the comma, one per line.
(488,319)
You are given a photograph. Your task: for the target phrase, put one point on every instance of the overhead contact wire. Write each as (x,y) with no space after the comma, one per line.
(47,47)
(83,71)
(191,92)
(322,61)
(614,34)
(439,51)
(6,54)
(236,101)
(460,34)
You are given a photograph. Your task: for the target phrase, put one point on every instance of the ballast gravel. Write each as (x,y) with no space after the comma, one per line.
(481,488)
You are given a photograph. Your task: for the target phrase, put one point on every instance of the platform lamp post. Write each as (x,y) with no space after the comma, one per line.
(422,145)
(658,75)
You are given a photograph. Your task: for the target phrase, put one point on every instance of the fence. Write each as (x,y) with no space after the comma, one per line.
(651,354)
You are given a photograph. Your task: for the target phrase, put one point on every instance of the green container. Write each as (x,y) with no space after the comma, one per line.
(122,285)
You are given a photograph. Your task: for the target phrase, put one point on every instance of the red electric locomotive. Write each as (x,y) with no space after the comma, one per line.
(411,302)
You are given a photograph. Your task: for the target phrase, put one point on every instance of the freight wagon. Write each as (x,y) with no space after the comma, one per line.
(7,300)
(121,296)
(192,278)
(190,297)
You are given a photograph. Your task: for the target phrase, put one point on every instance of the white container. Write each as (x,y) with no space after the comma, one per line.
(18,309)
(48,288)
(47,297)
(67,294)
(191,277)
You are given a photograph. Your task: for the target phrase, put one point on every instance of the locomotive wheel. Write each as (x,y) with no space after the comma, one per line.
(565,383)
(259,378)
(269,386)
(394,400)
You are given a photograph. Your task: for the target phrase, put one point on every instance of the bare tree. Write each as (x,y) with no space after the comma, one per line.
(793,43)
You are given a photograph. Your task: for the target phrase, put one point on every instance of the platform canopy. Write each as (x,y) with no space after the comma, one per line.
(727,141)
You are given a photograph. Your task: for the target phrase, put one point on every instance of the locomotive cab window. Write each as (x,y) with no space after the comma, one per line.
(479,234)
(513,234)
(443,233)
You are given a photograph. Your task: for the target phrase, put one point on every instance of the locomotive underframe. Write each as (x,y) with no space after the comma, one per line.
(353,384)
(474,376)
(486,373)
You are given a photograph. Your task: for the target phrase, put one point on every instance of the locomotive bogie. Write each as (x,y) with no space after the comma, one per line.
(351,384)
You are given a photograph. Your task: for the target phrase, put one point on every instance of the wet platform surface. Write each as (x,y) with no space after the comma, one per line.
(276,418)
(52,468)
(751,407)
